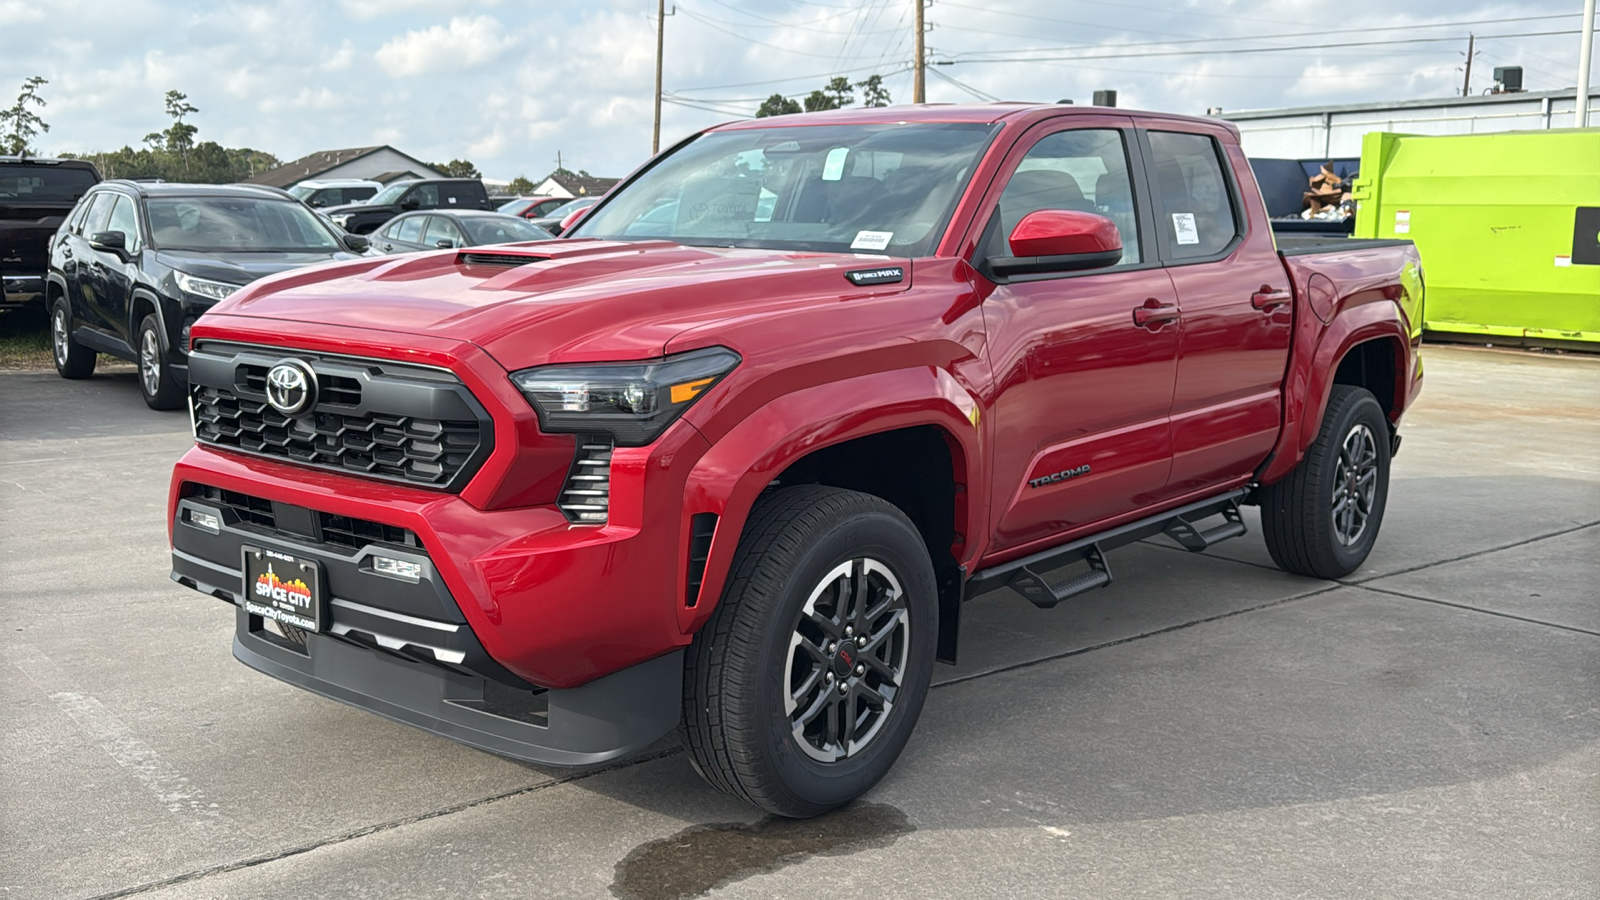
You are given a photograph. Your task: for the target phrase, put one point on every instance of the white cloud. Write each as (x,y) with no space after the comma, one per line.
(462,44)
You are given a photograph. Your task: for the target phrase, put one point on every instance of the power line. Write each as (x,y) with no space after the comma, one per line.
(958,58)
(718,87)
(749,40)
(965,87)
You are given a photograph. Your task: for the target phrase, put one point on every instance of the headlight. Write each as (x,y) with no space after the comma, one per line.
(632,402)
(211,290)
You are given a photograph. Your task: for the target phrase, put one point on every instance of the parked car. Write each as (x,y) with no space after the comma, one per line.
(135,264)
(405,196)
(35,196)
(557,219)
(553,501)
(413,232)
(531,207)
(335,192)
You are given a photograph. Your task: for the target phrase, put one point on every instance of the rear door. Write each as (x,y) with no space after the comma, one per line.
(1083,382)
(1235,300)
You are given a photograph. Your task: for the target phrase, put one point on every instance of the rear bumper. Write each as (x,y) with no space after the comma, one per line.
(20,290)
(603,720)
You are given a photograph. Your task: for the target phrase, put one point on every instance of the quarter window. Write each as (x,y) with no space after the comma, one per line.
(1084,170)
(1196,218)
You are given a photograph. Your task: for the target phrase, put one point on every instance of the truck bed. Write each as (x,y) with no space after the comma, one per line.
(1302,243)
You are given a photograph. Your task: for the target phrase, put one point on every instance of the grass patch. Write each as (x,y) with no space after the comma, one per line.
(25,340)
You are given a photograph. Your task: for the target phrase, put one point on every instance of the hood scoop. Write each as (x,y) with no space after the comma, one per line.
(499,258)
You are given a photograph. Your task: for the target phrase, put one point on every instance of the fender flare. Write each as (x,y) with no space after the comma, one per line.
(146,295)
(1310,381)
(739,466)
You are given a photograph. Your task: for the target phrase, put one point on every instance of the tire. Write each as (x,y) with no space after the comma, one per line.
(1323,519)
(766,645)
(73,360)
(156,382)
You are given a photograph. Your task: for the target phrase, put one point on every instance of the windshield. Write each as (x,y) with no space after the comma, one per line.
(874,188)
(570,207)
(43,184)
(515,207)
(219,224)
(390,194)
(301,192)
(503,230)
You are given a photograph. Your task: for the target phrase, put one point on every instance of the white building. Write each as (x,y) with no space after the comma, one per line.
(383,164)
(1326,132)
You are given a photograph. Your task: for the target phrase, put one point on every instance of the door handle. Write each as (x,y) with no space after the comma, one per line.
(1267,298)
(1153,314)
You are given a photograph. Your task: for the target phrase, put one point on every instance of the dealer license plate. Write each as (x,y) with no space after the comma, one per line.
(284,588)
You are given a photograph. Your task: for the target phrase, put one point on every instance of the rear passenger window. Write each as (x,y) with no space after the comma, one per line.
(1084,170)
(410,230)
(1196,211)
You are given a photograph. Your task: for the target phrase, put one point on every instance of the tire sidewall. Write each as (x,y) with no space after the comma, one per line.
(1363,409)
(894,543)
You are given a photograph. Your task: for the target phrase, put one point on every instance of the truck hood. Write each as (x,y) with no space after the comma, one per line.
(243,268)
(560,301)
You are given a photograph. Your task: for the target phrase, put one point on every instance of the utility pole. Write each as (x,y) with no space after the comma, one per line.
(1466,83)
(1585,59)
(919,84)
(661,35)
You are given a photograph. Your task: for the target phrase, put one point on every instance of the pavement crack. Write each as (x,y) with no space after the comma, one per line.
(1358,582)
(379,828)
(1012,667)
(1476,609)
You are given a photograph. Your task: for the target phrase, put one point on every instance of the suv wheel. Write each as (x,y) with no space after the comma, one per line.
(73,360)
(1323,519)
(805,684)
(161,390)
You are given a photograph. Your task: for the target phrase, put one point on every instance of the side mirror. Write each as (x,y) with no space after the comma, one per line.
(317,203)
(571,220)
(1060,240)
(356,243)
(410,203)
(109,241)
(444,243)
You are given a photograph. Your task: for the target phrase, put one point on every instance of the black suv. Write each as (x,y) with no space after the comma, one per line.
(35,195)
(405,196)
(135,264)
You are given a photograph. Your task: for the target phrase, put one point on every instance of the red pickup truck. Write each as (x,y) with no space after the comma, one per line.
(730,456)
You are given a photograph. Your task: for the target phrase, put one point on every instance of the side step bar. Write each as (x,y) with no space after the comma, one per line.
(1024,575)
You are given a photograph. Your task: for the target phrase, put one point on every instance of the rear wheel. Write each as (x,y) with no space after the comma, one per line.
(1322,520)
(804,686)
(160,388)
(73,360)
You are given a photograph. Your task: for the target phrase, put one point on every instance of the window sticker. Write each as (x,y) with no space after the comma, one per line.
(833,167)
(871,240)
(1183,226)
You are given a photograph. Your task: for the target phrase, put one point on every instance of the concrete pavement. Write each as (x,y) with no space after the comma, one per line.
(1206,727)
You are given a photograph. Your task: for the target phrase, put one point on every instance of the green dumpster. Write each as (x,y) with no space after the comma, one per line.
(1508,225)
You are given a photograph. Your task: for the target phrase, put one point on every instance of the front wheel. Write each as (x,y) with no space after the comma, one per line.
(1322,520)
(805,685)
(160,388)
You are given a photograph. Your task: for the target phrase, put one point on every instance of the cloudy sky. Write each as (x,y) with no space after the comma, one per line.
(509,84)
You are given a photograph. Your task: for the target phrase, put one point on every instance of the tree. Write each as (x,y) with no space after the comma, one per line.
(520,185)
(457,168)
(836,94)
(777,105)
(817,101)
(20,123)
(873,93)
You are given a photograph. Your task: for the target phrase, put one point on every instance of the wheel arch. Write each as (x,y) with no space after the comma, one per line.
(907,436)
(145,303)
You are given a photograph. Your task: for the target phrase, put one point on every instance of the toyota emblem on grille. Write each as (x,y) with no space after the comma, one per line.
(291,387)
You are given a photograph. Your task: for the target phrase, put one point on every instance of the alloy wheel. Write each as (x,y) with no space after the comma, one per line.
(59,337)
(1355,485)
(847,659)
(150,362)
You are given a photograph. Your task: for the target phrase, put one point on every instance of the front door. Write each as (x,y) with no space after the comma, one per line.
(1083,382)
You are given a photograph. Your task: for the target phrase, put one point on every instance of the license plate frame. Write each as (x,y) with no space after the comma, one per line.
(285,588)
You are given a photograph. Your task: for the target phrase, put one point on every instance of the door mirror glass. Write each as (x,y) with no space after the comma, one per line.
(109,241)
(1061,240)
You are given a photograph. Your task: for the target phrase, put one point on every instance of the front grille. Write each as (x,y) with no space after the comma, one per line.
(344,531)
(586,497)
(381,420)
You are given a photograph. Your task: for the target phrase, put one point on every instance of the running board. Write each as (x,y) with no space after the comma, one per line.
(1024,575)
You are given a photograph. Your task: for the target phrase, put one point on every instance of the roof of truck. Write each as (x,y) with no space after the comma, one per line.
(980,113)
